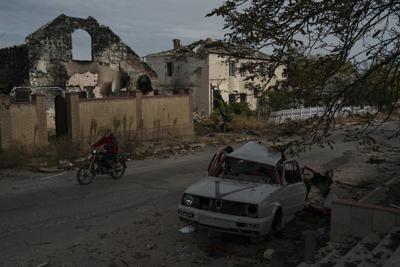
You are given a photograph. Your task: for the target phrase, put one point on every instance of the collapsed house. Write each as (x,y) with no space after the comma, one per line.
(47,60)
(46,89)
(48,63)
(207,67)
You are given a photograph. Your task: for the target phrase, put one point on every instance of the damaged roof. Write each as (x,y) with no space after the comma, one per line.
(256,152)
(209,46)
(102,37)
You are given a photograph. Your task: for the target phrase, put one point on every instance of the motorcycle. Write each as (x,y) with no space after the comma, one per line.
(94,166)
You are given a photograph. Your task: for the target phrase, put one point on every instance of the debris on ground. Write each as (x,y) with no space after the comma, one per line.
(49,169)
(187,229)
(374,160)
(37,165)
(65,165)
(323,182)
(268,253)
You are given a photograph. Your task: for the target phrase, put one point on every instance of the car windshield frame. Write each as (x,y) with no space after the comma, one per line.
(249,171)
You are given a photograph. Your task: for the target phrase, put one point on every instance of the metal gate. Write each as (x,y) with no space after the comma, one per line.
(61,117)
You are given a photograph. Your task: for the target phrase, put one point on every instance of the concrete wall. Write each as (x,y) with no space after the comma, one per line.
(118,114)
(354,219)
(166,116)
(23,123)
(137,117)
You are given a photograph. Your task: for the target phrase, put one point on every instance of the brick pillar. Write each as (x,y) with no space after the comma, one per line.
(139,117)
(5,122)
(41,138)
(72,100)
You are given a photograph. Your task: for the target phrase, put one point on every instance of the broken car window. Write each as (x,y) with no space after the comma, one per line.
(292,172)
(239,169)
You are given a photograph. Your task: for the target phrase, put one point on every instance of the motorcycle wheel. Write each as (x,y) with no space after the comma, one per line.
(118,169)
(85,175)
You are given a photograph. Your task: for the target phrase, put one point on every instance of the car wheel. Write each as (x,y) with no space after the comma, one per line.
(277,223)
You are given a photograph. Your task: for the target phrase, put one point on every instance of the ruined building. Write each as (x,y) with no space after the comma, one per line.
(68,96)
(47,59)
(207,66)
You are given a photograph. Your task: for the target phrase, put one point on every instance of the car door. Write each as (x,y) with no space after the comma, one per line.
(294,188)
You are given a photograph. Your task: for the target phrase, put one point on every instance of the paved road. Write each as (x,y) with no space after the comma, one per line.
(49,210)
(51,219)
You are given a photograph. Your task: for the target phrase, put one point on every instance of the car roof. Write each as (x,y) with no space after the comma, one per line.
(257,152)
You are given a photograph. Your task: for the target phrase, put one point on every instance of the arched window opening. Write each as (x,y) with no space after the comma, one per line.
(81,45)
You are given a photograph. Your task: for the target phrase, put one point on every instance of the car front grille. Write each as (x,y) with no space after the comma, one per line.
(221,206)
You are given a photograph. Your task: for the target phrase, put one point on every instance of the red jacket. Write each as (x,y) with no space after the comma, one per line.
(110,144)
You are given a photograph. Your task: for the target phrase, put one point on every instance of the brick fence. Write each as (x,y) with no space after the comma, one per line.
(135,117)
(23,123)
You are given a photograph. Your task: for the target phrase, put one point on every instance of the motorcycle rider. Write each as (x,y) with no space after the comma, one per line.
(109,146)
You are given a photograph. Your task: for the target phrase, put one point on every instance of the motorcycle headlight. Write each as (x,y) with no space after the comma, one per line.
(252,211)
(188,200)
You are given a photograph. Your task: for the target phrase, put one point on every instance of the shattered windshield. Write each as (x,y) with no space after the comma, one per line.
(242,170)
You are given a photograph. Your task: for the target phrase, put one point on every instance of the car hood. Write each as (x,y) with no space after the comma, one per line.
(232,190)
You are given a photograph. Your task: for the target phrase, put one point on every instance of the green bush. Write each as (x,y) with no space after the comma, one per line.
(240,108)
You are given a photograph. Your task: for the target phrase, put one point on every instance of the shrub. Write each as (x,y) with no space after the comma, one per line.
(240,108)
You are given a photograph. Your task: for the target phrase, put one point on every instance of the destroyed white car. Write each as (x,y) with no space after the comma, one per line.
(249,191)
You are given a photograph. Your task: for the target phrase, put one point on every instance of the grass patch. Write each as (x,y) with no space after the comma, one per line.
(20,155)
(241,122)
(16,155)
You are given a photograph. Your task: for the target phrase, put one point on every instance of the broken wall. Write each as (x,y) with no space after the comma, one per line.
(235,84)
(202,72)
(189,72)
(51,60)
(14,70)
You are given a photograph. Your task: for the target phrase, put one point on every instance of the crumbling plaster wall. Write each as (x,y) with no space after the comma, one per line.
(14,69)
(201,73)
(219,76)
(189,72)
(50,53)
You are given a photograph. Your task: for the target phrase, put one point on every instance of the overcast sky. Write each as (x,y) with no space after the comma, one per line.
(147,26)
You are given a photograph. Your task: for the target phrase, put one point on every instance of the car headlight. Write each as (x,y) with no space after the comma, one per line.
(252,211)
(188,200)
